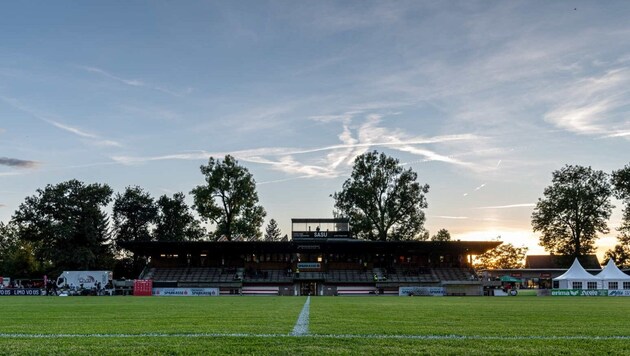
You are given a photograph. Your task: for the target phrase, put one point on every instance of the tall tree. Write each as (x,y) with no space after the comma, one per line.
(382,200)
(621,183)
(504,256)
(175,221)
(272,232)
(67,226)
(575,207)
(229,199)
(621,252)
(134,213)
(442,235)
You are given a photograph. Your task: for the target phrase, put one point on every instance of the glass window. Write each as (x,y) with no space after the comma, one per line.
(613,285)
(556,284)
(591,285)
(626,285)
(576,285)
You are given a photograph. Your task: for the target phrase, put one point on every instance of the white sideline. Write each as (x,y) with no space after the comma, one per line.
(301,325)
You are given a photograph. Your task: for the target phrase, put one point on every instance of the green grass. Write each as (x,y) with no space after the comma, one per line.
(338,325)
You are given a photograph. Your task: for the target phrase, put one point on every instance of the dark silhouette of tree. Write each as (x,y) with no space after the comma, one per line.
(66,225)
(621,252)
(504,256)
(16,256)
(575,207)
(442,235)
(382,200)
(175,221)
(272,232)
(229,200)
(134,214)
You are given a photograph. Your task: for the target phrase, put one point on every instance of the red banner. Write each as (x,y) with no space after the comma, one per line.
(142,287)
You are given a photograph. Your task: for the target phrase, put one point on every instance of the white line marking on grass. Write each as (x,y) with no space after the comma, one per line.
(301,325)
(318,336)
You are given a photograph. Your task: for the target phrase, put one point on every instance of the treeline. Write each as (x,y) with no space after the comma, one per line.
(66,226)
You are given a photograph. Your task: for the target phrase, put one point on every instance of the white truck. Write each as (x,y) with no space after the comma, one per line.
(84,279)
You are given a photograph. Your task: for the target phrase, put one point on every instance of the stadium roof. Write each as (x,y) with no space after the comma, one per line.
(311,245)
(560,261)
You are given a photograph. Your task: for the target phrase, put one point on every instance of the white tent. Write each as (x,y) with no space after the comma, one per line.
(577,278)
(613,278)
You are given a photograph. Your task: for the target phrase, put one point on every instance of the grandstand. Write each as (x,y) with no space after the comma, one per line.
(314,262)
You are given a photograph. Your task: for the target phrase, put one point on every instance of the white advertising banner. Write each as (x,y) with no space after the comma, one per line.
(422,291)
(186,292)
(619,292)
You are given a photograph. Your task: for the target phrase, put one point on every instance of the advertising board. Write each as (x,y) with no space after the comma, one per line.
(20,292)
(619,292)
(186,292)
(421,291)
(142,287)
(579,292)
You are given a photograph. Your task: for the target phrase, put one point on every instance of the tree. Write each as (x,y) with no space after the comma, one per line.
(575,208)
(621,184)
(442,235)
(620,253)
(66,225)
(272,232)
(175,221)
(504,256)
(229,199)
(382,200)
(16,256)
(134,213)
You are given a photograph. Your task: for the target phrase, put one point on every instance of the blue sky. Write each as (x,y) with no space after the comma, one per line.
(484,99)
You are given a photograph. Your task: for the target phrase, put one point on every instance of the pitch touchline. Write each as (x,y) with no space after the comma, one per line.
(318,336)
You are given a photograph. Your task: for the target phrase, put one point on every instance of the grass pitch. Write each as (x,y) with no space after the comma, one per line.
(337,325)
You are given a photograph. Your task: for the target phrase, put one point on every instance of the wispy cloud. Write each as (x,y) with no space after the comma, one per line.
(354,140)
(511,206)
(136,82)
(14,173)
(20,163)
(89,137)
(478,188)
(450,217)
(591,105)
(619,134)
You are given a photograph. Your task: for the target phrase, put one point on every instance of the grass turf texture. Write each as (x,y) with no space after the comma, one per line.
(338,325)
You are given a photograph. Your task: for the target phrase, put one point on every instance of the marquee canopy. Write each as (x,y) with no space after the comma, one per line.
(612,273)
(576,273)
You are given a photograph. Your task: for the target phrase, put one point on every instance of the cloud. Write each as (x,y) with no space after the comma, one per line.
(20,163)
(136,82)
(511,206)
(306,162)
(618,134)
(596,105)
(90,137)
(478,188)
(451,217)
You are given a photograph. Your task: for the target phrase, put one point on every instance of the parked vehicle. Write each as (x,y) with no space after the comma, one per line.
(85,279)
